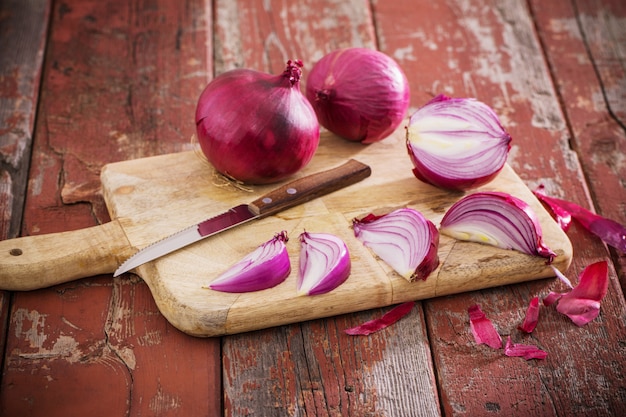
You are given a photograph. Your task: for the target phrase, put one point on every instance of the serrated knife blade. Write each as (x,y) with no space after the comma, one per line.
(288,195)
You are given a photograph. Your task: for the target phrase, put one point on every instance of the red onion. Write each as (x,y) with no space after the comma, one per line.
(456,143)
(404,239)
(265,267)
(359,94)
(324,263)
(255,127)
(496,219)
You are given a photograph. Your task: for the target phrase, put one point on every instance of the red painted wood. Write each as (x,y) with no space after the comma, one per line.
(581,39)
(22,41)
(121,81)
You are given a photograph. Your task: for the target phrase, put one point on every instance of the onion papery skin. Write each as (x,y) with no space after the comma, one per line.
(359,94)
(265,267)
(324,263)
(257,128)
(498,219)
(456,143)
(404,239)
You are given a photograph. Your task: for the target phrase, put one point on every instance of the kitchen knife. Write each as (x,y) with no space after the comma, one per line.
(288,195)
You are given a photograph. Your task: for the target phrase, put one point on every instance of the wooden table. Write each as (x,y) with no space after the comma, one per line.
(84,83)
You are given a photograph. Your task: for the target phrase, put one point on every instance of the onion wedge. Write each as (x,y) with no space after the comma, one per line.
(265,267)
(404,239)
(497,219)
(324,263)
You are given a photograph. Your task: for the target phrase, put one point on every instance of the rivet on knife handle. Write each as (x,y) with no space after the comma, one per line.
(291,194)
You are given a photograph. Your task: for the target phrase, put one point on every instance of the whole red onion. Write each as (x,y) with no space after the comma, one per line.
(257,128)
(358,93)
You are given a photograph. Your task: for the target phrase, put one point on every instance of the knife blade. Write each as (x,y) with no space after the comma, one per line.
(288,195)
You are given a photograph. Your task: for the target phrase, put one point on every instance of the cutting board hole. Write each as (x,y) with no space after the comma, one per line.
(15,252)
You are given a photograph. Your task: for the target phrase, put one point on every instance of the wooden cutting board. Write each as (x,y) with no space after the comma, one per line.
(150,198)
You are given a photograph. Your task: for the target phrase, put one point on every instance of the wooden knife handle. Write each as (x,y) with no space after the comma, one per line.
(312,186)
(32,262)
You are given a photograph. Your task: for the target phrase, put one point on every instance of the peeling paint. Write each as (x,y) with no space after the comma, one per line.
(163,401)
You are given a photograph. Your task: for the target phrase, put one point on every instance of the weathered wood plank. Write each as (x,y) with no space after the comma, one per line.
(121,81)
(585,42)
(23,26)
(313,368)
(489,50)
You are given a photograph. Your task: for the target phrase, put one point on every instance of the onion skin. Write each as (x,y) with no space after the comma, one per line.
(257,128)
(324,263)
(498,219)
(265,267)
(456,143)
(359,94)
(404,239)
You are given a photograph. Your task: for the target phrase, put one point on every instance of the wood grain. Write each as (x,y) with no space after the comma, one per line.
(591,83)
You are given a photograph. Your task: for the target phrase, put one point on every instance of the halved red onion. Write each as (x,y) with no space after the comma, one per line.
(498,219)
(265,267)
(324,263)
(404,239)
(456,143)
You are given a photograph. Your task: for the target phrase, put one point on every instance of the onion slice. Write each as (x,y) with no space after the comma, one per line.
(324,263)
(498,219)
(456,143)
(265,267)
(404,239)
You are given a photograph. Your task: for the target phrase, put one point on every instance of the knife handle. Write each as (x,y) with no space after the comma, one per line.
(33,262)
(310,187)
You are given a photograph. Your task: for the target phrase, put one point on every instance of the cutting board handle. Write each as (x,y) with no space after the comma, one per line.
(33,262)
